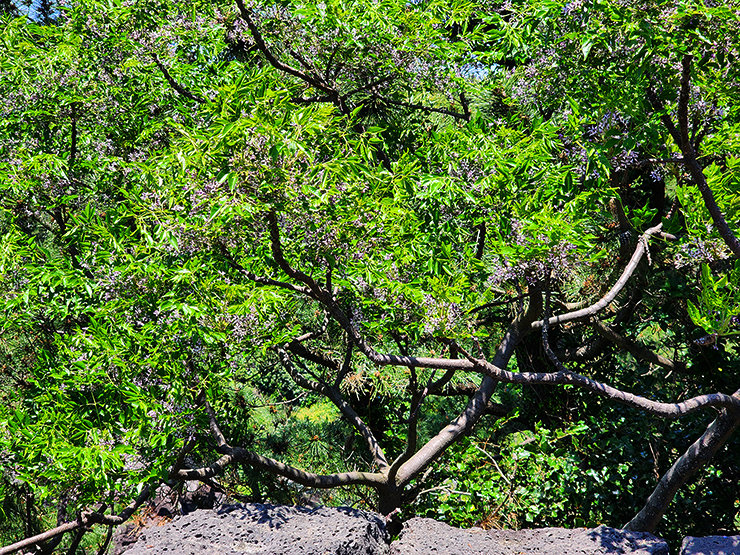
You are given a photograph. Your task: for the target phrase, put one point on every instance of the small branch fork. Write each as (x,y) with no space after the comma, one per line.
(83,521)
(312,77)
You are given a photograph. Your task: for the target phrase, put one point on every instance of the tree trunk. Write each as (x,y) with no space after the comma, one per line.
(686,466)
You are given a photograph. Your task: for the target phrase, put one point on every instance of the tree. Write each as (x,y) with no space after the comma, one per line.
(389,207)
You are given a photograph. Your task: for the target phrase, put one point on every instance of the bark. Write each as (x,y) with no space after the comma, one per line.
(684,468)
(680,136)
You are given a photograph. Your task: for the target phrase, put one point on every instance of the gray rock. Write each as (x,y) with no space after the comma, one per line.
(711,545)
(423,536)
(257,529)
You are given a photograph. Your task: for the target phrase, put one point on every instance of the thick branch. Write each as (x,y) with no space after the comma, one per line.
(300,380)
(264,281)
(277,254)
(478,404)
(84,520)
(221,445)
(242,456)
(298,349)
(700,452)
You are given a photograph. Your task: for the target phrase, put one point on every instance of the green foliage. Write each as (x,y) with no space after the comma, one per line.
(470,151)
(719,302)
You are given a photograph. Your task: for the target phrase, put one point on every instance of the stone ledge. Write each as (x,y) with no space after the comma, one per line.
(259,529)
(711,545)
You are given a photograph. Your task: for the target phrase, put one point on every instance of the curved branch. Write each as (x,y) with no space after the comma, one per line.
(277,254)
(563,377)
(296,376)
(264,281)
(686,466)
(221,445)
(600,305)
(323,481)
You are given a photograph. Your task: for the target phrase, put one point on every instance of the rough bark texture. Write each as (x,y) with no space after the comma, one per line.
(692,460)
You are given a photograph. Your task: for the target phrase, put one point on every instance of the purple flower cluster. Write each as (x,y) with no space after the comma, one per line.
(699,250)
(624,160)
(559,260)
(245,327)
(440,316)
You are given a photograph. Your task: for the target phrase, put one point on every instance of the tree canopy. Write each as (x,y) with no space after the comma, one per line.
(472,260)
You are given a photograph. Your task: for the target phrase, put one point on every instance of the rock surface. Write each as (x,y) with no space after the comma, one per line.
(423,536)
(257,529)
(711,545)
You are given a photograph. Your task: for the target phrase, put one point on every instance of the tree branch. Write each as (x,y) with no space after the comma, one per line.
(600,305)
(274,62)
(243,456)
(297,348)
(465,116)
(638,351)
(681,138)
(697,455)
(478,404)
(264,281)
(335,396)
(300,380)
(174,84)
(665,410)
(85,519)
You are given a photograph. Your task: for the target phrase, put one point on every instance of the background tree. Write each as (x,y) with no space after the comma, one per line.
(328,241)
